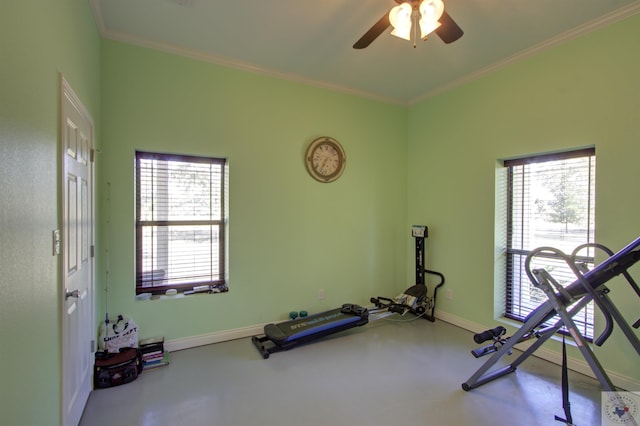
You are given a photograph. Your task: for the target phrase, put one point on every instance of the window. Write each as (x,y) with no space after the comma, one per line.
(180,222)
(550,202)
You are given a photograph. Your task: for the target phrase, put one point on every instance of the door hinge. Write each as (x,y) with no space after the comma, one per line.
(92,345)
(93,251)
(92,155)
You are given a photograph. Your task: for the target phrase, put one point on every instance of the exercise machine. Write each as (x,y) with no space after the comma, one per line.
(415,299)
(289,334)
(563,302)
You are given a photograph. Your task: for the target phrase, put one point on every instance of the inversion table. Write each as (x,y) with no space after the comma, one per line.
(564,302)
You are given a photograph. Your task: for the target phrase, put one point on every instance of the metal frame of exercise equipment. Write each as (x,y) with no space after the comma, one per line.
(415,299)
(564,302)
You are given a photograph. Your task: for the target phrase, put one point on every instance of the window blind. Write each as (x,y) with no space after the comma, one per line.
(551,202)
(180,223)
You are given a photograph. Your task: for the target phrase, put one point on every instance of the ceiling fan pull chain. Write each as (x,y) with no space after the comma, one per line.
(415,27)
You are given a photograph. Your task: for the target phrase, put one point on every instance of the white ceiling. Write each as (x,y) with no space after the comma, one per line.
(311,41)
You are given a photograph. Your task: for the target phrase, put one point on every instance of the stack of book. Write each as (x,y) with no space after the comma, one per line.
(153,353)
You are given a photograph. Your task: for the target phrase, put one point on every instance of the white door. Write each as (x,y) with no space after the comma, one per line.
(77,255)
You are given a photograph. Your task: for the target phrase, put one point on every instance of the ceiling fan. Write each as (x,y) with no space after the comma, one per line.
(429,14)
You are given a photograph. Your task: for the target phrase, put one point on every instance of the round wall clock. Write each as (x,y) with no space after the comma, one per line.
(325,159)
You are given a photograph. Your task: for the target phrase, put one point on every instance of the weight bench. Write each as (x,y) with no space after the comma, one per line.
(564,302)
(289,334)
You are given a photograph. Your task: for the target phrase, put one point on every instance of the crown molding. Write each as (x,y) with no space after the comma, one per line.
(238,65)
(579,31)
(596,24)
(96,10)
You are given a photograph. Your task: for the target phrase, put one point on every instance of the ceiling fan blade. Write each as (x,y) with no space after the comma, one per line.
(373,33)
(448,31)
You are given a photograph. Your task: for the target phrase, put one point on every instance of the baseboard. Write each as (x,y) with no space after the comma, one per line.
(210,338)
(575,364)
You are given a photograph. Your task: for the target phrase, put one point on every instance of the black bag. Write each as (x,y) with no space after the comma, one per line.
(113,369)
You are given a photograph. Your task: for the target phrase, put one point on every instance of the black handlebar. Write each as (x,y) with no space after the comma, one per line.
(489,334)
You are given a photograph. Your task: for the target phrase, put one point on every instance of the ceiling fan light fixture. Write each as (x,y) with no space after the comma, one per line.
(400,19)
(430,12)
(427,27)
(428,15)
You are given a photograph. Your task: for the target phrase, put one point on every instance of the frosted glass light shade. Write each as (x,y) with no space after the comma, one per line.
(400,19)
(430,12)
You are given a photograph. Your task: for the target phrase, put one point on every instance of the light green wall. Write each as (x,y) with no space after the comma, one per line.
(289,235)
(38,40)
(583,93)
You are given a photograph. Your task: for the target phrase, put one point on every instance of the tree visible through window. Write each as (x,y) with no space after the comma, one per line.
(180,222)
(550,202)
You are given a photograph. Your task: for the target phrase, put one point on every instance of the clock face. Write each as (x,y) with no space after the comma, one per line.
(325,159)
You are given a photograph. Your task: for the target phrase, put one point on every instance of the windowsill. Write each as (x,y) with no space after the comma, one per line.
(145,297)
(168,297)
